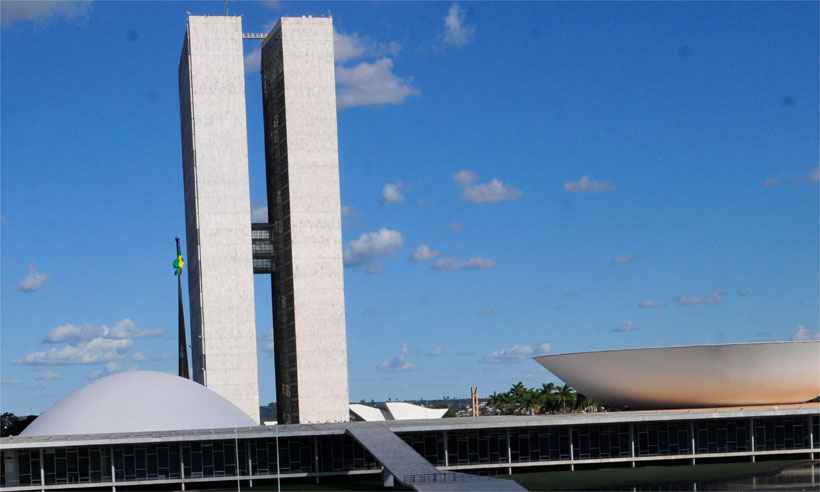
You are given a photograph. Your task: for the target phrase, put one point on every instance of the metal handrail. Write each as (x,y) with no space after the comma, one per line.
(441,477)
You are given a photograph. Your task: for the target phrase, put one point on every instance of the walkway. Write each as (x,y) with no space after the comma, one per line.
(411,469)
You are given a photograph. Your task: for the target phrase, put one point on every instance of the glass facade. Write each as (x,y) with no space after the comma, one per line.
(341,454)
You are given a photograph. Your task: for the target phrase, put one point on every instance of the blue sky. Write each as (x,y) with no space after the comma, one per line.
(517,177)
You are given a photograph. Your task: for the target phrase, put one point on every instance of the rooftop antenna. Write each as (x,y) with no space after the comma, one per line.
(226,7)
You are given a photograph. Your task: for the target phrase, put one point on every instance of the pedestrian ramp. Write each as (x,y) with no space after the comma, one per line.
(411,470)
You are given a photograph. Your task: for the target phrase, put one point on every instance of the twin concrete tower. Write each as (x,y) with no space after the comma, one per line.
(300,246)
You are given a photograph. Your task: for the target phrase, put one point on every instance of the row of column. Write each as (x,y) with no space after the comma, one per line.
(632,445)
(446,454)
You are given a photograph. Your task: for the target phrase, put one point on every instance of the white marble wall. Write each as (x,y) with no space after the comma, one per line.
(215,162)
(315,212)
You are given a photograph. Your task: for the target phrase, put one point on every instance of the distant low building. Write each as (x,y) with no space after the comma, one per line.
(394,410)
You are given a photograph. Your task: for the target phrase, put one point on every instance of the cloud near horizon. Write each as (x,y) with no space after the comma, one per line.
(398,362)
(517,353)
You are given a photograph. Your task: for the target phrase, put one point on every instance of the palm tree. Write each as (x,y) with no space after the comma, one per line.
(547,397)
(566,397)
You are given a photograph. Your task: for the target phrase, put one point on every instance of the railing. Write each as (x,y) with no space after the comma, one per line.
(441,477)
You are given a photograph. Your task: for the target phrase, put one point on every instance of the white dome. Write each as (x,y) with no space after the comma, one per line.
(137,401)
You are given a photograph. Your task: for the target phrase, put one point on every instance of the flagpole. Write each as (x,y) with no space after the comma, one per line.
(183,345)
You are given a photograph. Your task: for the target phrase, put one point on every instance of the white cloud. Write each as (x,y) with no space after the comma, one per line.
(371,84)
(88,344)
(517,353)
(372,245)
(456,30)
(398,362)
(91,352)
(624,259)
(253,61)
(626,327)
(803,333)
(650,304)
(123,329)
(348,47)
(41,12)
(588,185)
(493,191)
(32,281)
(465,177)
(259,214)
(138,356)
(811,177)
(48,375)
(424,252)
(713,298)
(267,344)
(455,227)
(474,263)
(391,193)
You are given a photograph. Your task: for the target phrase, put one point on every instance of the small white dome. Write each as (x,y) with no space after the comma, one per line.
(138,401)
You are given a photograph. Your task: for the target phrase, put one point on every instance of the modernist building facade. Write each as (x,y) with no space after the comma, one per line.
(304,207)
(300,246)
(217,210)
(494,445)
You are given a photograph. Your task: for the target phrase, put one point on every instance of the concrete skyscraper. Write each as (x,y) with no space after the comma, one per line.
(301,154)
(217,210)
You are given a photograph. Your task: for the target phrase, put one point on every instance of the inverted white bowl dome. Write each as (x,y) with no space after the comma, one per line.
(694,376)
(138,401)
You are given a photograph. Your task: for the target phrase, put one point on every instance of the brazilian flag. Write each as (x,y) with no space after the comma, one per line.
(178,264)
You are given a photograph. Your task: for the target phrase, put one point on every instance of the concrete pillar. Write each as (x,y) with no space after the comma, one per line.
(316,457)
(509,454)
(11,464)
(632,442)
(181,468)
(113,470)
(752,437)
(42,472)
(571,451)
(446,451)
(236,453)
(250,464)
(692,435)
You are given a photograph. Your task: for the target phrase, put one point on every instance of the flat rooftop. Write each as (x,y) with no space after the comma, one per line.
(400,426)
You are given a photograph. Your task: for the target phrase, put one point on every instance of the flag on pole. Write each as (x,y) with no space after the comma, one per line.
(179,264)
